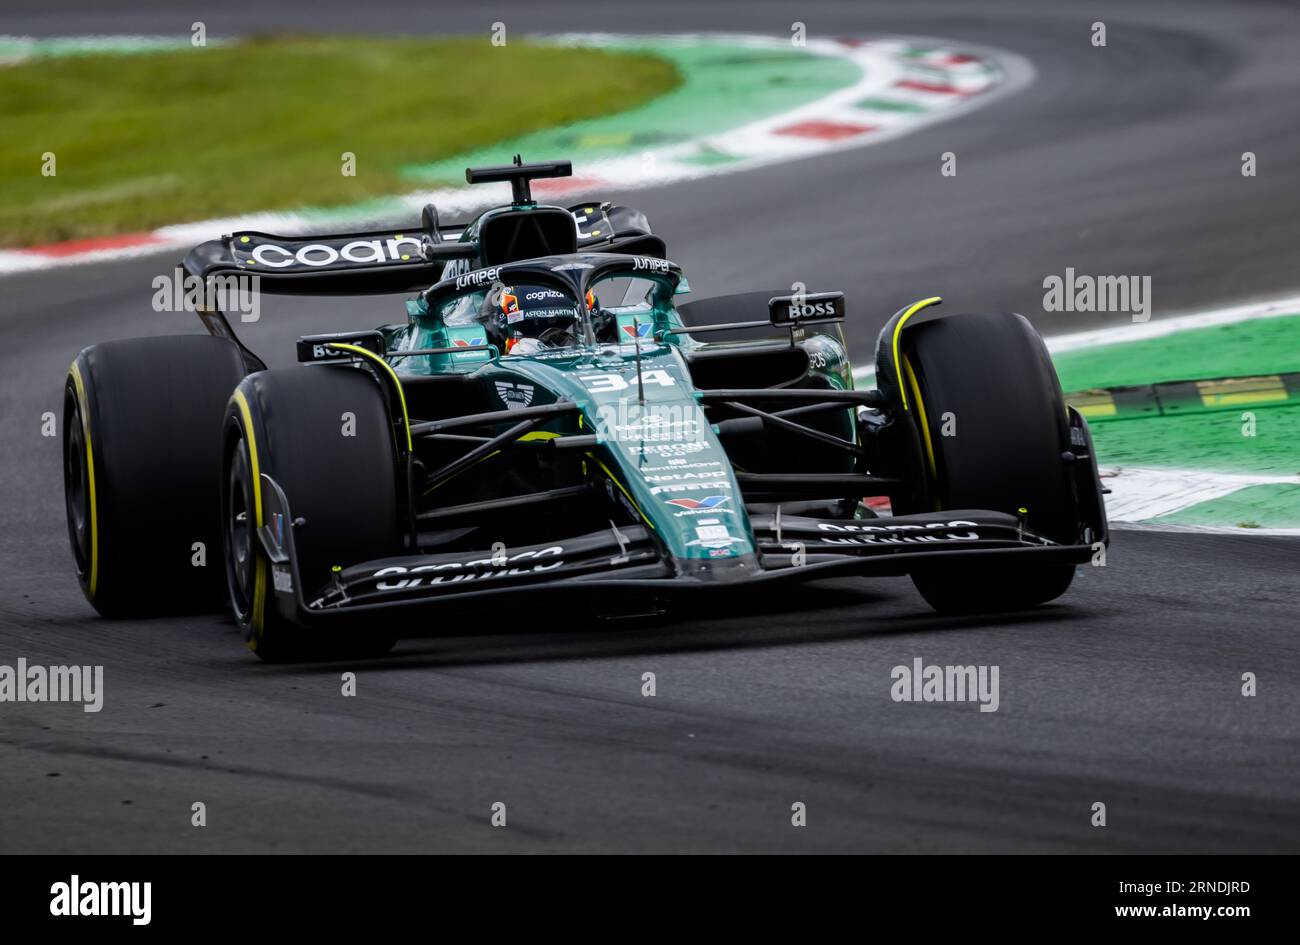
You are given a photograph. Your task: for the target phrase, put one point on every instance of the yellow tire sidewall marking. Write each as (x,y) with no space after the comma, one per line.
(83,408)
(257,607)
(898,331)
(910,376)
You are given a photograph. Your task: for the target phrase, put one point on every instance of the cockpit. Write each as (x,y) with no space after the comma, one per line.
(526,309)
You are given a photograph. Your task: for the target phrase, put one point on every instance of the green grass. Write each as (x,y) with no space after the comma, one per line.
(146,140)
(1245,439)
(1212,441)
(1261,346)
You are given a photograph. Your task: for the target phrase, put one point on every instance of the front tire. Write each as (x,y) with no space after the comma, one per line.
(323,434)
(992,423)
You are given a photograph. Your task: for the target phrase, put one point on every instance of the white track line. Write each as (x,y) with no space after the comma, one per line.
(1139,493)
(1205,529)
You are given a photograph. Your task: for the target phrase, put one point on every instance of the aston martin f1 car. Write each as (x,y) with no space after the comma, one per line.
(549,424)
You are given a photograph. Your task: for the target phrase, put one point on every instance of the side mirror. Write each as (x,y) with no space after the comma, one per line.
(791,311)
(315,349)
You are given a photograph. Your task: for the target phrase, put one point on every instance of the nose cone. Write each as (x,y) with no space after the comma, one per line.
(732,570)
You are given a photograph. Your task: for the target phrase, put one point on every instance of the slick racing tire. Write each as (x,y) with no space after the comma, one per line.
(141,471)
(988,382)
(323,435)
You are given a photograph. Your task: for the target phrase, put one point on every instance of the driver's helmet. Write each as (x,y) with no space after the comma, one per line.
(528,318)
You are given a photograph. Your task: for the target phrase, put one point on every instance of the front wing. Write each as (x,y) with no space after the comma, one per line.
(621,570)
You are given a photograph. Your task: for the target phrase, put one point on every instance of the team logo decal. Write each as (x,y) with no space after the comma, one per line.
(708,502)
(638,330)
(477,278)
(315,255)
(515,396)
(652,264)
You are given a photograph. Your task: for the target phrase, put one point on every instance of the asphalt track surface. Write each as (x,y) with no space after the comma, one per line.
(1115,160)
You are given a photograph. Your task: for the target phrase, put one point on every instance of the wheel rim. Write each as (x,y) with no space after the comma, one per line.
(239,532)
(76,486)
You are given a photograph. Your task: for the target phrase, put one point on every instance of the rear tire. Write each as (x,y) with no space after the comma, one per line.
(290,425)
(990,377)
(141,461)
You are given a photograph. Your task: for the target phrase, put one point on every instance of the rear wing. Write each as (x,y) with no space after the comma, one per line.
(367,263)
(376,262)
(380,262)
(363,263)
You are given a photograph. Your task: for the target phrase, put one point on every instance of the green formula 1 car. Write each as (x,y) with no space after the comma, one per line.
(549,423)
